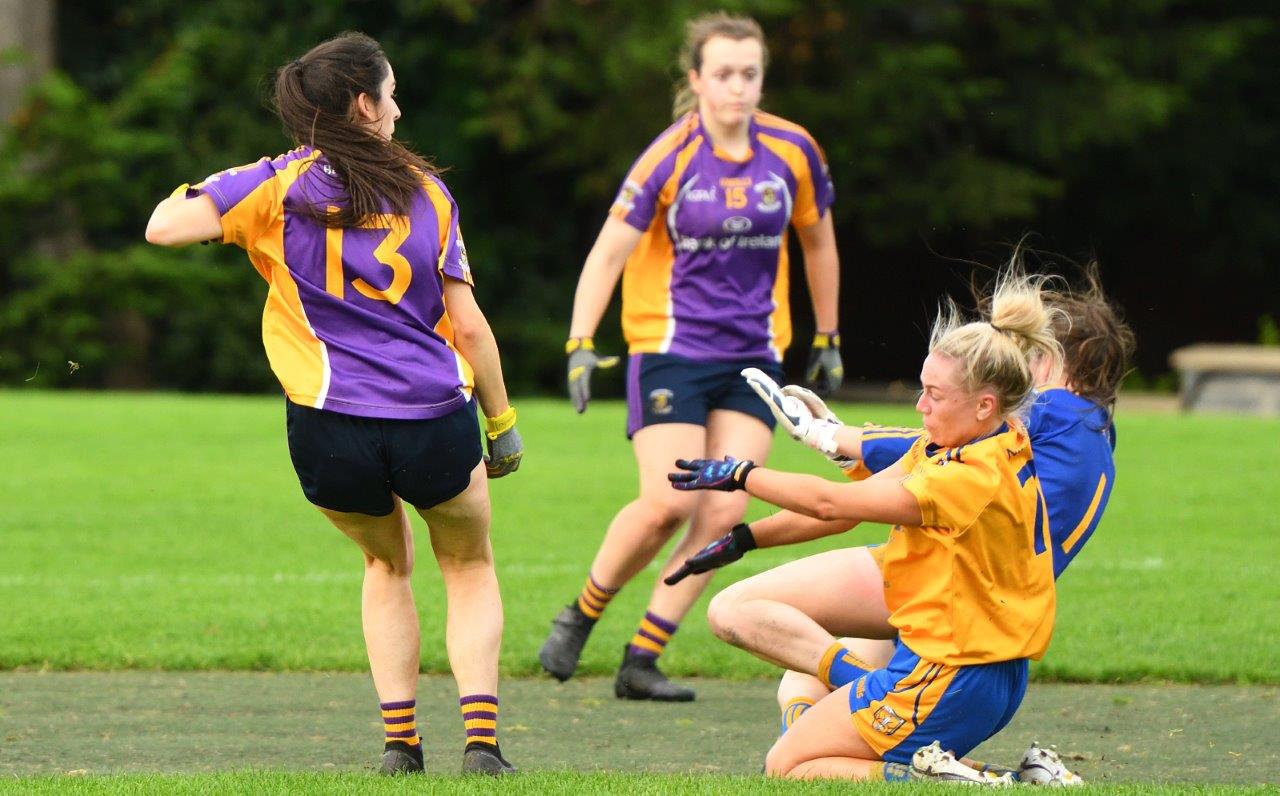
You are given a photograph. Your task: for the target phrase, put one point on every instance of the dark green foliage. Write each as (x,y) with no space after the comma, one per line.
(1143,132)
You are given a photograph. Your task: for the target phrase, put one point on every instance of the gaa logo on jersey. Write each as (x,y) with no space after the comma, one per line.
(627,196)
(737,224)
(886,720)
(769,202)
(662,401)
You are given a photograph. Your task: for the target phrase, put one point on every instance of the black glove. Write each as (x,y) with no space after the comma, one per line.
(825,362)
(725,550)
(727,474)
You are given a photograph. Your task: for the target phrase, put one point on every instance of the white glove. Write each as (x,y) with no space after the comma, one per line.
(816,406)
(794,414)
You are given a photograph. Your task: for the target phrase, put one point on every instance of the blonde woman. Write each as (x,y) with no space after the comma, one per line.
(967,572)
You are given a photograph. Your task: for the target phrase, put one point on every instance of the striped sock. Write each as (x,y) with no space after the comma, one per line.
(793,711)
(840,667)
(652,636)
(480,717)
(400,725)
(890,772)
(594,598)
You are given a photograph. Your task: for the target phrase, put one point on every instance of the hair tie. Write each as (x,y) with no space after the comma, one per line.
(997,328)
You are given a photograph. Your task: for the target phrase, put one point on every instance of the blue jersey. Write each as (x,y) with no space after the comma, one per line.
(1072,440)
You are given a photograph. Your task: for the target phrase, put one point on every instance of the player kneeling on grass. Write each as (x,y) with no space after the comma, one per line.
(967,574)
(360,242)
(790,615)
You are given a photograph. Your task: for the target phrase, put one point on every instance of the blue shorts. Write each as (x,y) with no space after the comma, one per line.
(912,703)
(665,388)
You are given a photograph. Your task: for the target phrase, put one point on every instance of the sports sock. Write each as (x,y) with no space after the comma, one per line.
(480,717)
(794,709)
(890,772)
(993,768)
(652,636)
(399,723)
(594,598)
(840,667)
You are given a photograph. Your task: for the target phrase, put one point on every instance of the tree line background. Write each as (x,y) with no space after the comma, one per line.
(1145,133)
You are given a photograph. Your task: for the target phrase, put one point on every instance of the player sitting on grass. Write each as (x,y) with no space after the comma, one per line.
(781,617)
(967,574)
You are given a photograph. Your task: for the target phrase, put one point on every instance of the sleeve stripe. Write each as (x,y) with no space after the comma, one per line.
(661,149)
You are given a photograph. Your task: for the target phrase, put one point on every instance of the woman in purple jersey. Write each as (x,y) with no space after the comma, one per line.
(698,235)
(359,241)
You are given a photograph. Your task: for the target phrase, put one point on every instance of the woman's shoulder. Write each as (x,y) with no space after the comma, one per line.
(776,126)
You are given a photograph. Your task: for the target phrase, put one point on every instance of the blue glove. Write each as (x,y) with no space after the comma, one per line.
(725,550)
(727,474)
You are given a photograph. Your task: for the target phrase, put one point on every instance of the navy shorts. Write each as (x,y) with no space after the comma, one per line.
(665,388)
(355,464)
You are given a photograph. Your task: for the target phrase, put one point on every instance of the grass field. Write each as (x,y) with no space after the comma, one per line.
(154,532)
(168,532)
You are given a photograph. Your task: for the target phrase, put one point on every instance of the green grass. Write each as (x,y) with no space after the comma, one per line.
(536,783)
(156,531)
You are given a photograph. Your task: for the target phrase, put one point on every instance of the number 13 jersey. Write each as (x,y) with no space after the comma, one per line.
(708,280)
(355,320)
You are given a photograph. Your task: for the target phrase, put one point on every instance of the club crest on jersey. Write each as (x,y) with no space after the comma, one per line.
(769,201)
(627,196)
(462,255)
(662,401)
(886,720)
(737,224)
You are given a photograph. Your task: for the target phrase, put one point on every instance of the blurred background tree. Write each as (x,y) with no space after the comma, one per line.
(1143,133)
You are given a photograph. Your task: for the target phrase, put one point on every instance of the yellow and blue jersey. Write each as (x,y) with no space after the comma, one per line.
(355,319)
(973,583)
(1072,440)
(708,280)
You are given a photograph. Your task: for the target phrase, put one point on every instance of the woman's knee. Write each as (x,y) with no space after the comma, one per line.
(665,514)
(778,763)
(722,614)
(395,566)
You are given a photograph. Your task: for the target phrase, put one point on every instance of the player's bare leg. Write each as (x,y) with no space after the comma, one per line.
(822,744)
(791,614)
(473,627)
(797,692)
(636,534)
(728,433)
(390,622)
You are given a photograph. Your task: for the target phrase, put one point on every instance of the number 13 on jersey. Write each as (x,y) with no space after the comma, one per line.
(387,252)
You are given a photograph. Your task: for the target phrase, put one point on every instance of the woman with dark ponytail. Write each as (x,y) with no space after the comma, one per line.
(374,333)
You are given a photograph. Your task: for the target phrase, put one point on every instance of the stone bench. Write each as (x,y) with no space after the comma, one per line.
(1229,378)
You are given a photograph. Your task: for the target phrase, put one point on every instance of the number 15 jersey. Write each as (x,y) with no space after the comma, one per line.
(355,320)
(708,279)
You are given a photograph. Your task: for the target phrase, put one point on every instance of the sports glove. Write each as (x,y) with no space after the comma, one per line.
(825,362)
(506,449)
(726,475)
(725,550)
(582,360)
(802,414)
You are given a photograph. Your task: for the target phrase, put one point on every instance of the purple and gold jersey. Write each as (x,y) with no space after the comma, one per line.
(355,320)
(1072,440)
(708,280)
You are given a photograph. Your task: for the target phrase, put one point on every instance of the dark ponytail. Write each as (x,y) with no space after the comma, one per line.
(315,98)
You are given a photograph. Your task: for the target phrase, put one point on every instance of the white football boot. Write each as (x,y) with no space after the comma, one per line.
(1044,767)
(932,763)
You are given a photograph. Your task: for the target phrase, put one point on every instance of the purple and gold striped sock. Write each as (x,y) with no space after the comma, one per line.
(480,717)
(594,597)
(793,711)
(652,636)
(400,725)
